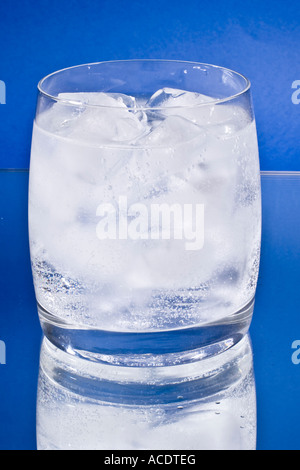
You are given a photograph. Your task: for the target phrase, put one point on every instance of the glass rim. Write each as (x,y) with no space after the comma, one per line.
(126,61)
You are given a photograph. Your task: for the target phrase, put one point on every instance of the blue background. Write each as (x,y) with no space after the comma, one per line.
(259,38)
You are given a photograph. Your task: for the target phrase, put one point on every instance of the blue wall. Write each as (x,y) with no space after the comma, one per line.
(258,38)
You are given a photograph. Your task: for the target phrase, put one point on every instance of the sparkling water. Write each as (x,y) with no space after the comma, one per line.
(139,292)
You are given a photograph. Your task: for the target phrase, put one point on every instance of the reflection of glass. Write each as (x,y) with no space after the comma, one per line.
(145,210)
(208,404)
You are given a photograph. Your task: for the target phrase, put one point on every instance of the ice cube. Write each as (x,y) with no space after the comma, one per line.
(96,118)
(225,117)
(171,97)
(172,131)
(169,148)
(99,99)
(167,101)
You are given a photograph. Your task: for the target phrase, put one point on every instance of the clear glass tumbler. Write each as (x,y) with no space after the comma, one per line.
(145,211)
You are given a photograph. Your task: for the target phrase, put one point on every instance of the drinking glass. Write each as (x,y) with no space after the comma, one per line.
(144,210)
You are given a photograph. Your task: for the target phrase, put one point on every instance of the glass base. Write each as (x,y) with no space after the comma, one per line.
(148,349)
